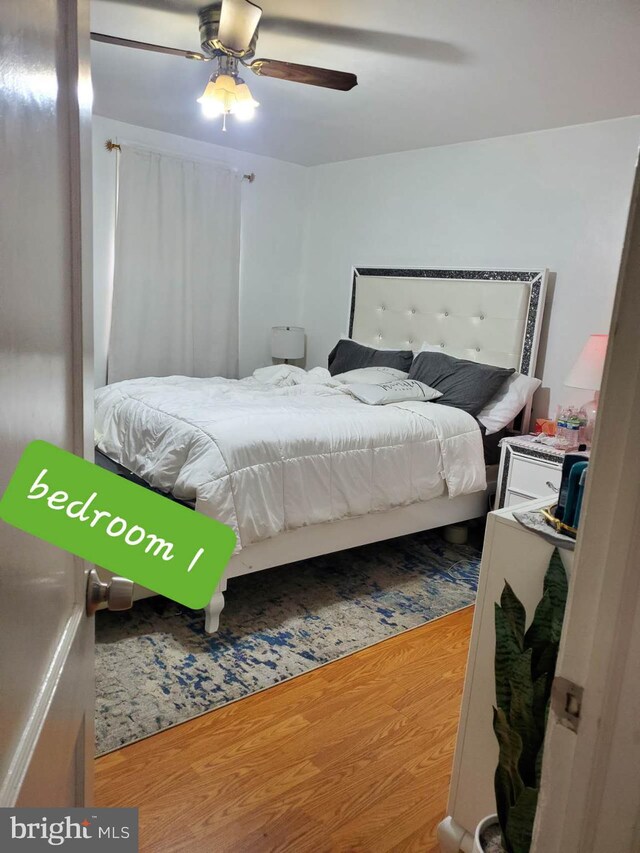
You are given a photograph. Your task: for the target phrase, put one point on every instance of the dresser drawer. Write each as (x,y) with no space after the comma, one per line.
(533,477)
(516,498)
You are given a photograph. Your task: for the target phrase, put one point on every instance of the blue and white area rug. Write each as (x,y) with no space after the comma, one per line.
(156,667)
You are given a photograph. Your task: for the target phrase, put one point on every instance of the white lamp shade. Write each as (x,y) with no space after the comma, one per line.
(287,342)
(587,371)
(227,94)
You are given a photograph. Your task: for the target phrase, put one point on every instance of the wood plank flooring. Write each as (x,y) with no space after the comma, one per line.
(354,757)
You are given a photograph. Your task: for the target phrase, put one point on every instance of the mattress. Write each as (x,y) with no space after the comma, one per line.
(285,448)
(109,465)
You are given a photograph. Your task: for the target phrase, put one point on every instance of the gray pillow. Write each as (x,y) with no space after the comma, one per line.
(467,385)
(349,355)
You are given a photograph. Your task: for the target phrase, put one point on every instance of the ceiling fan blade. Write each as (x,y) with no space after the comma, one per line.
(143,45)
(341,80)
(238,22)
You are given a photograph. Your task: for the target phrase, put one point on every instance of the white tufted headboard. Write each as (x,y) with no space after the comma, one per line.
(493,316)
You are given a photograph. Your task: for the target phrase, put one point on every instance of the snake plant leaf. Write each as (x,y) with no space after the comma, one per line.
(547,655)
(556,583)
(519,827)
(507,650)
(510,745)
(540,703)
(504,792)
(546,626)
(514,613)
(539,760)
(521,717)
(524,668)
(546,661)
(539,633)
(556,626)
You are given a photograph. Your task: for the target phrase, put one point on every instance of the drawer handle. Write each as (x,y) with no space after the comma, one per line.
(551,486)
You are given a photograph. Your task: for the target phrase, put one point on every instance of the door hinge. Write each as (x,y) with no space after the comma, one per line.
(566,702)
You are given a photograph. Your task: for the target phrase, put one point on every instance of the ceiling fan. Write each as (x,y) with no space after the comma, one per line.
(228,36)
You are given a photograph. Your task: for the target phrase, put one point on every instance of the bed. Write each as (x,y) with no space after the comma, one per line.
(296,466)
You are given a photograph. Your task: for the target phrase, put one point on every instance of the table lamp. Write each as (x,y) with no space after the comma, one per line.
(587,373)
(287,343)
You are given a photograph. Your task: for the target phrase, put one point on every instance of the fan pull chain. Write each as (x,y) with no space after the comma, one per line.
(224,122)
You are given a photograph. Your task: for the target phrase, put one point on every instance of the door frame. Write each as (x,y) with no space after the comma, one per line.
(590,792)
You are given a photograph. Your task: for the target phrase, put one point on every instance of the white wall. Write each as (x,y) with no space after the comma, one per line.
(273,209)
(556,199)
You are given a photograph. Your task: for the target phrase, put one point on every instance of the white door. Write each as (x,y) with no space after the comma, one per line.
(590,794)
(46,640)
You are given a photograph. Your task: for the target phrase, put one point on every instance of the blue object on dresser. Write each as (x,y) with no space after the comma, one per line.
(583,480)
(574,494)
(570,460)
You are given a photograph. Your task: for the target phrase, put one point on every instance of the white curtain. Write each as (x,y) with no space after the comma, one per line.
(177,268)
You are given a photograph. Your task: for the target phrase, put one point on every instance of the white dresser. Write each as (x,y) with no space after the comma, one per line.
(528,470)
(521,557)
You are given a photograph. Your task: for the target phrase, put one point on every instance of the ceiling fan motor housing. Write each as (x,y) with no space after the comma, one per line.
(209,26)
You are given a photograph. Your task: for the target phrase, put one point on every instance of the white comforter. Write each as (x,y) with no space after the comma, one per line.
(285,448)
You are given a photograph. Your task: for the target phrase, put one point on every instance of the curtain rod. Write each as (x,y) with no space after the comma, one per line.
(110,145)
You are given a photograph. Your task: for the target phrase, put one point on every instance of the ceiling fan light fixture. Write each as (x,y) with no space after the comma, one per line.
(228,36)
(211,105)
(212,109)
(218,95)
(227,95)
(245,105)
(225,83)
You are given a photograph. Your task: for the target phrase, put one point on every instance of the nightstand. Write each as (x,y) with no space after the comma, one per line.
(528,470)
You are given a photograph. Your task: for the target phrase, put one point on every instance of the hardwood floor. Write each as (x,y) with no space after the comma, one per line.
(354,757)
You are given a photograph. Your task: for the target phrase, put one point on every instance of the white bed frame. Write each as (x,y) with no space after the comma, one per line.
(492,316)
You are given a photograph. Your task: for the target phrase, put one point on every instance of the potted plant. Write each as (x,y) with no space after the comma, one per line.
(525,664)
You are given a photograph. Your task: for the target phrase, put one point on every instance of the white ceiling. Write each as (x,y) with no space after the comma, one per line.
(431,72)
